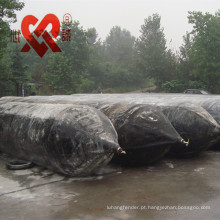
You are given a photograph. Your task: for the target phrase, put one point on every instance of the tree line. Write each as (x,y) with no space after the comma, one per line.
(119,63)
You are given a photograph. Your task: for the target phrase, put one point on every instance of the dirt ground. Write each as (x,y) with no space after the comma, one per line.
(170,189)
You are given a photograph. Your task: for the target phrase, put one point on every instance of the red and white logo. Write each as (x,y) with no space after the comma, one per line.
(40,31)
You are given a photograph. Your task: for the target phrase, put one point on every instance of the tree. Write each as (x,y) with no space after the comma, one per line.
(119,46)
(185,65)
(66,70)
(7,15)
(205,50)
(111,61)
(19,74)
(93,77)
(6,85)
(151,50)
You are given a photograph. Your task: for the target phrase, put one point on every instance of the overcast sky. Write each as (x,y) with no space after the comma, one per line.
(129,14)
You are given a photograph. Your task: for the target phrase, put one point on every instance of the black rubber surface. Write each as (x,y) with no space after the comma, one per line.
(19,165)
(70,139)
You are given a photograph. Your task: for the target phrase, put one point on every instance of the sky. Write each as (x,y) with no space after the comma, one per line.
(128,14)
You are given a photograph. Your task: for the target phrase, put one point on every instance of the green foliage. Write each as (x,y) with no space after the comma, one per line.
(185,65)
(8,8)
(7,15)
(119,46)
(35,65)
(19,74)
(4,36)
(173,86)
(199,61)
(116,76)
(111,63)
(8,64)
(151,50)
(12,72)
(58,75)
(87,85)
(196,84)
(18,69)
(94,75)
(7,87)
(120,63)
(204,52)
(66,70)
